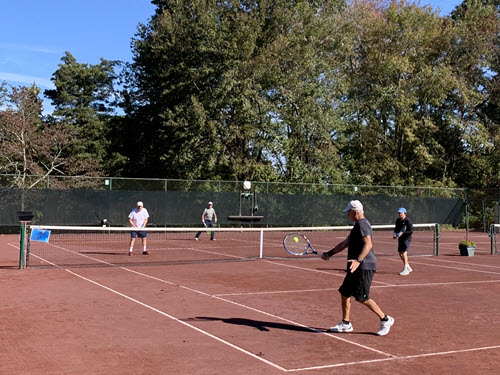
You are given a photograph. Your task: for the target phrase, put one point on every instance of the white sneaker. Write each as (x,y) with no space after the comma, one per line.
(409,268)
(342,327)
(404,272)
(385,327)
(196,238)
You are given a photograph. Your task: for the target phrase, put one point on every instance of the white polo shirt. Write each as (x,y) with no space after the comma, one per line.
(138,217)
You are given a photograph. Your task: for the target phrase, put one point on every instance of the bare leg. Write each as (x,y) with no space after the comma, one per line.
(132,241)
(404,258)
(346,308)
(374,307)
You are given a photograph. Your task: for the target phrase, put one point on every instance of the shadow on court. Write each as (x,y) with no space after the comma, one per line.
(258,324)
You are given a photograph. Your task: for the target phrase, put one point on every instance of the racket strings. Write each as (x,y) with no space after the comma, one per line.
(296,243)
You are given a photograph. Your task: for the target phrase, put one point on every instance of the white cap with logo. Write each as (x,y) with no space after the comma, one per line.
(210,204)
(353,205)
(139,204)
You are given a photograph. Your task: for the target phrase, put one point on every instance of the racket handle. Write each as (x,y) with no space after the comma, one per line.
(325,256)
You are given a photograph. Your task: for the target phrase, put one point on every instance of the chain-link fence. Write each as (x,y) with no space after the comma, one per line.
(87,200)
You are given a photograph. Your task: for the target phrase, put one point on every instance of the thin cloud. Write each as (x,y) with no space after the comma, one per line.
(29,48)
(24,79)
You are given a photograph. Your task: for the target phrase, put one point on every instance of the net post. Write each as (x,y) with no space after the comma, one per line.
(437,239)
(25,217)
(21,245)
(261,242)
(492,228)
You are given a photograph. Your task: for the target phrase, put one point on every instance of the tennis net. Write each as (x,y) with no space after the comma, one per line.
(68,246)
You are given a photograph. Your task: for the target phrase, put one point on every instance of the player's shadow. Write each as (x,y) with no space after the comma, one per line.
(341,269)
(9,267)
(259,324)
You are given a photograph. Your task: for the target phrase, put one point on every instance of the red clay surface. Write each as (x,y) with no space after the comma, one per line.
(252,317)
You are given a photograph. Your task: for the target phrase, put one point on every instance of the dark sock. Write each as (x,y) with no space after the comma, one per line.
(385,318)
(345,321)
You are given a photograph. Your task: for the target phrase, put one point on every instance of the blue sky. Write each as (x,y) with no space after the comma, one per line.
(34,34)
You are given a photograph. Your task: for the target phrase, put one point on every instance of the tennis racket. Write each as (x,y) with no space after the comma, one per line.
(208,231)
(401,231)
(298,244)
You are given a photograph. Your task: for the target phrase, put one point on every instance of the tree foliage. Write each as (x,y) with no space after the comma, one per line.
(28,145)
(364,92)
(82,98)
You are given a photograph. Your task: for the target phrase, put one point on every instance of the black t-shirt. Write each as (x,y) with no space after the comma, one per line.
(400,223)
(361,229)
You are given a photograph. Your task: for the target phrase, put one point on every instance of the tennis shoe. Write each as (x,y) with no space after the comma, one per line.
(145,253)
(385,326)
(409,268)
(196,238)
(130,254)
(212,239)
(404,272)
(342,327)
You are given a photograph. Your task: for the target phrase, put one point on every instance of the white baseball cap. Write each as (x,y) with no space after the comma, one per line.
(210,203)
(139,204)
(353,205)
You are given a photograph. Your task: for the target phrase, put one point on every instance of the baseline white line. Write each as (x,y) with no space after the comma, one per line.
(375,286)
(437,284)
(240,305)
(453,268)
(392,359)
(464,263)
(311,270)
(275,292)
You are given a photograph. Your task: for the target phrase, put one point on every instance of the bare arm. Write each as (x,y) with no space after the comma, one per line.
(337,249)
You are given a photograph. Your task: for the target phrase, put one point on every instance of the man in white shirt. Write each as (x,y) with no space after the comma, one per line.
(208,218)
(138,218)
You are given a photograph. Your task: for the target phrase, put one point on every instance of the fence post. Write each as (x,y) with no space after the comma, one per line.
(485,229)
(466,215)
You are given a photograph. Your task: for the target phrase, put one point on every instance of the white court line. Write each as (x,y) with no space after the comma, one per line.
(453,268)
(375,286)
(172,317)
(464,263)
(228,301)
(392,359)
(311,270)
(275,292)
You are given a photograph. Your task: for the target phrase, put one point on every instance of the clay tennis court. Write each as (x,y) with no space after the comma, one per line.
(263,316)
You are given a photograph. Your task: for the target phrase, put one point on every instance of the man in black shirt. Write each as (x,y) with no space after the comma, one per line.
(403,231)
(361,266)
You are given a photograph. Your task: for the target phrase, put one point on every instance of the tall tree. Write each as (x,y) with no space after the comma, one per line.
(28,145)
(407,101)
(217,86)
(82,99)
